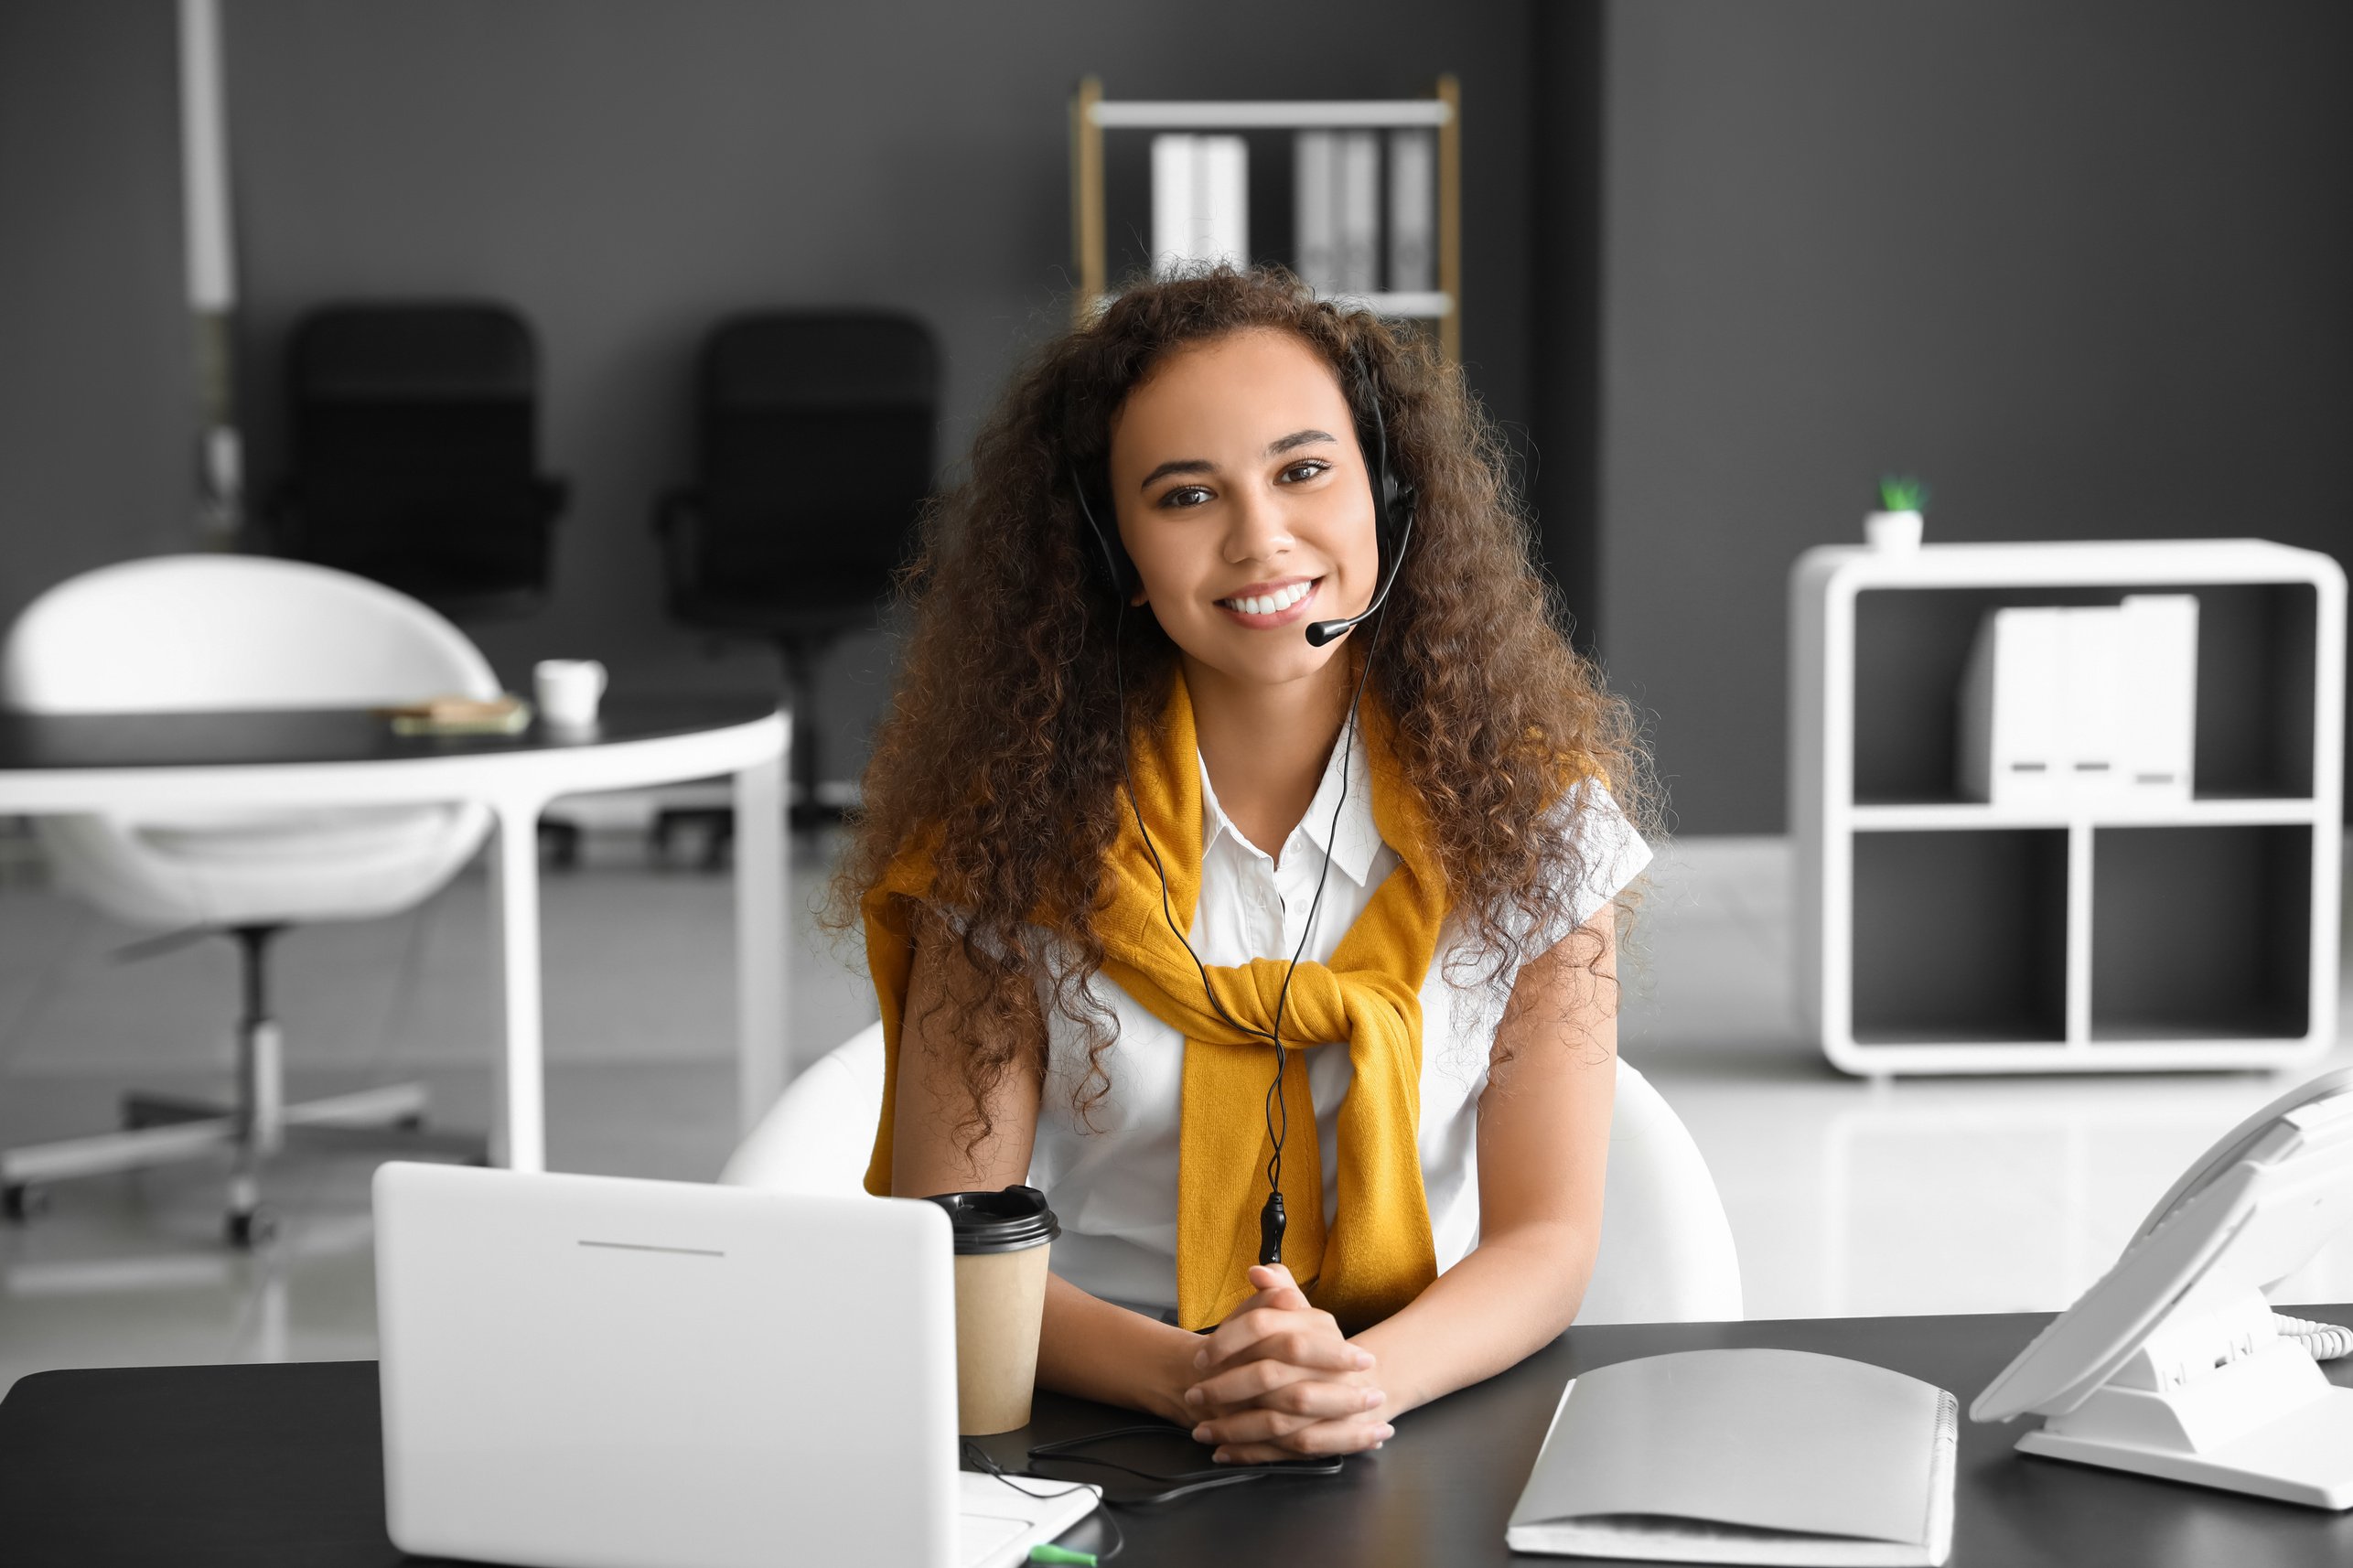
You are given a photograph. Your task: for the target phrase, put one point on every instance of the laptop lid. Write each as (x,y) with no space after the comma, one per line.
(597,1373)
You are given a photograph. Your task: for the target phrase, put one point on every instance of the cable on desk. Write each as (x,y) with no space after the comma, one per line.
(978,1457)
(1185,1482)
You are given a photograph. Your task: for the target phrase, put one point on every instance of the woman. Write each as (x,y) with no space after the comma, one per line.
(1120,791)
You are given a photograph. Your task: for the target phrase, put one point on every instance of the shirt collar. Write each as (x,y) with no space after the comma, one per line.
(1350,840)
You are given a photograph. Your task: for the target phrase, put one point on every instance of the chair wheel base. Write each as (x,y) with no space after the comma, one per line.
(252,1228)
(21,1201)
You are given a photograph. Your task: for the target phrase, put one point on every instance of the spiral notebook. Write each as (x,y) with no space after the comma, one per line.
(1769,1456)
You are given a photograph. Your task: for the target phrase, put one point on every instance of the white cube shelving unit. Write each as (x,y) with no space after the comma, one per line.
(1941,935)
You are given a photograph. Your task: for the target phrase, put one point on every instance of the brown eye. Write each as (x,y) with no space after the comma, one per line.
(1169,499)
(1312,466)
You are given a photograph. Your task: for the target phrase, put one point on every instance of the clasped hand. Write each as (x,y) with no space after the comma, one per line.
(1278,1381)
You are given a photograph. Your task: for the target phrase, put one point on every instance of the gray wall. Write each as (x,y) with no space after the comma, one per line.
(2085,267)
(2089,268)
(625,171)
(1564,486)
(96,399)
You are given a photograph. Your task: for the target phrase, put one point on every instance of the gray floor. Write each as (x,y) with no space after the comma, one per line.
(1948,1196)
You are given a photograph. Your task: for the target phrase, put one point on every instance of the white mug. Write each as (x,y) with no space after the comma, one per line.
(568,690)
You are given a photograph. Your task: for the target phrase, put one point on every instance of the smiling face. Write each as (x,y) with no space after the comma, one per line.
(1243,500)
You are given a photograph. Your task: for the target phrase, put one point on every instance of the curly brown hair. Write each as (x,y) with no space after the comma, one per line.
(1002,749)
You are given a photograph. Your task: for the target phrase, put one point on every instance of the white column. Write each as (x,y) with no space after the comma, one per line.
(518,1139)
(763,959)
(209,253)
(204,159)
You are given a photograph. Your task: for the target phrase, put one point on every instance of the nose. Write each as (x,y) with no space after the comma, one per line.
(1258,531)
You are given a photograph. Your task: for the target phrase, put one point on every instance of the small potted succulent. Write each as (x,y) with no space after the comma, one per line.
(1896,524)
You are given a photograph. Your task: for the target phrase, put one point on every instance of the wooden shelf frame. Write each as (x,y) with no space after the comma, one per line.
(1092,115)
(2289,1025)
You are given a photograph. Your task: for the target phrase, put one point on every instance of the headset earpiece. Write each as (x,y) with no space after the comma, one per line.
(1118,570)
(1394,500)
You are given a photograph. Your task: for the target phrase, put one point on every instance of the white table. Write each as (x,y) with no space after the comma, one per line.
(141,762)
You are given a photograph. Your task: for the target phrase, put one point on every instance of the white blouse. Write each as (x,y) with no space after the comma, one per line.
(1112,1186)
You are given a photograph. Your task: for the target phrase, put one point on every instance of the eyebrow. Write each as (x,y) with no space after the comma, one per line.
(1203,466)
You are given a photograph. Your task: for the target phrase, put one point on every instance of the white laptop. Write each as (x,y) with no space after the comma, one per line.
(593,1372)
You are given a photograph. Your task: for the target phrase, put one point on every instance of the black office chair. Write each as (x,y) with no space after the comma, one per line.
(414,454)
(816,433)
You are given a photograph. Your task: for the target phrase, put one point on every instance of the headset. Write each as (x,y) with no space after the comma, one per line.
(1393,507)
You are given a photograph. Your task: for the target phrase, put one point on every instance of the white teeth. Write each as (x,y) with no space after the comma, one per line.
(1270,603)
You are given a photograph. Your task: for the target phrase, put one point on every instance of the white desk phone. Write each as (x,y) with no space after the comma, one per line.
(2174,1364)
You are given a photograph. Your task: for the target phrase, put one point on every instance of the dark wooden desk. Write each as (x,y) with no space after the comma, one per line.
(261,1465)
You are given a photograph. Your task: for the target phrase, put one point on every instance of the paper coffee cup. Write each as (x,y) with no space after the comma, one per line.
(1003,1239)
(568,690)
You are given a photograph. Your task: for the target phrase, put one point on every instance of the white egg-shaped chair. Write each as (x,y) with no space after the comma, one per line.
(191,633)
(1666,1252)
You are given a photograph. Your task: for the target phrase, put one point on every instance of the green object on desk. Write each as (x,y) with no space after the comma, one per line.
(1044,1553)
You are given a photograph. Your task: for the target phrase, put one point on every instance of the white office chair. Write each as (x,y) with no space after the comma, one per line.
(196,632)
(1666,1252)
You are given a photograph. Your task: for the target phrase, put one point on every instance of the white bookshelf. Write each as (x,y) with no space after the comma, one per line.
(1091,114)
(1941,935)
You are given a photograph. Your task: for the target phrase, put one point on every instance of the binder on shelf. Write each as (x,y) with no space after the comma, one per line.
(1223,170)
(2011,746)
(2159,724)
(2092,679)
(1200,201)
(2080,702)
(1412,211)
(1359,216)
(1172,203)
(1313,210)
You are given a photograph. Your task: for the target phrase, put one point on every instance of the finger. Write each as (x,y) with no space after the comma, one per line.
(1247,1336)
(1272,1454)
(1276,1288)
(1309,1352)
(1282,1299)
(1238,1333)
(1252,1426)
(1292,1336)
(1252,1382)
(1322,1440)
(1307,1349)
(1246,1383)
(1275,1291)
(1283,1409)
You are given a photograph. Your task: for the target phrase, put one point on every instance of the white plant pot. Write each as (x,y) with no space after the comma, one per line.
(1893,530)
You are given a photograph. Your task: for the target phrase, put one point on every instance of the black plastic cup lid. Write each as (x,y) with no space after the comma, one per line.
(1005,1221)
